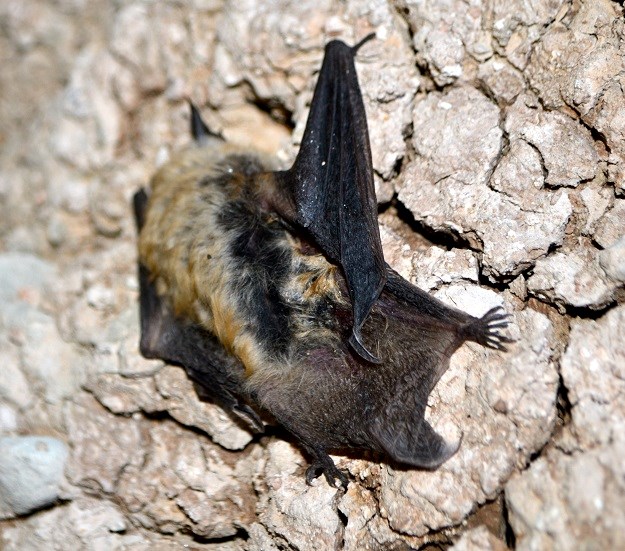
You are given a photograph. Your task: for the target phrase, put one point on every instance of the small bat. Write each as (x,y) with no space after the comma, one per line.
(271,290)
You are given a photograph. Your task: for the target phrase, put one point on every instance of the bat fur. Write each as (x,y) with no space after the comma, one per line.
(270,288)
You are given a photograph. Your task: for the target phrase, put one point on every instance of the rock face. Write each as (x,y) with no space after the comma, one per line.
(31,473)
(498,141)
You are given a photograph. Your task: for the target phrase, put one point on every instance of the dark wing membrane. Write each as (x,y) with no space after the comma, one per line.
(332,184)
(485,330)
(401,430)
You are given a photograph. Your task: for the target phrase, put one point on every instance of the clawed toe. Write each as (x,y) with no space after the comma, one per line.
(332,474)
(486,330)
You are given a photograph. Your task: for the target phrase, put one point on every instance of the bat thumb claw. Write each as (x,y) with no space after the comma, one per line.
(356,343)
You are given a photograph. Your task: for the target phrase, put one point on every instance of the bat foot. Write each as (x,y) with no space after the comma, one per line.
(486,330)
(334,476)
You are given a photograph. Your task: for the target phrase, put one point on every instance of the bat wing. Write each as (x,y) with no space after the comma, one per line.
(401,430)
(165,337)
(418,446)
(485,330)
(331,184)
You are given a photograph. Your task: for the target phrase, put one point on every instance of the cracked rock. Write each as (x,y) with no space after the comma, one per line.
(612,260)
(274,69)
(186,483)
(102,446)
(573,278)
(170,391)
(479,539)
(290,509)
(87,523)
(514,219)
(566,148)
(574,500)
(579,64)
(611,226)
(570,502)
(593,371)
(501,127)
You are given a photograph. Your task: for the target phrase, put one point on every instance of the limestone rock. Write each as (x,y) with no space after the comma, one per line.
(567,152)
(186,483)
(567,502)
(500,125)
(452,187)
(573,278)
(593,371)
(31,473)
(479,539)
(292,510)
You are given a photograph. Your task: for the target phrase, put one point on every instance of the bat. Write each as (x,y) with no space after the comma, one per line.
(270,288)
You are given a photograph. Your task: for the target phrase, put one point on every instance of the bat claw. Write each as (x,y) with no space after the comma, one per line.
(330,471)
(486,330)
(356,343)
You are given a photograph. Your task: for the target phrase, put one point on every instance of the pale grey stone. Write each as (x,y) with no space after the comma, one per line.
(444,33)
(437,267)
(593,371)
(359,506)
(527,218)
(31,473)
(182,402)
(449,150)
(478,539)
(56,231)
(516,27)
(96,98)
(86,523)
(611,226)
(14,387)
(570,502)
(51,364)
(596,201)
(612,260)
(567,152)
(187,483)
(579,63)
(20,271)
(259,539)
(572,278)
(503,80)
(289,508)
(8,419)
(102,446)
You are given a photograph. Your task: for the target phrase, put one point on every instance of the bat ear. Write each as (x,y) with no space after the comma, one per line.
(331,187)
(359,45)
(140,203)
(200,132)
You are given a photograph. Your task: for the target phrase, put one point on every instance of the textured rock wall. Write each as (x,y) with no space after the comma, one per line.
(498,138)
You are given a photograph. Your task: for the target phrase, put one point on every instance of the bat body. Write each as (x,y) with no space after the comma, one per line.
(270,288)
